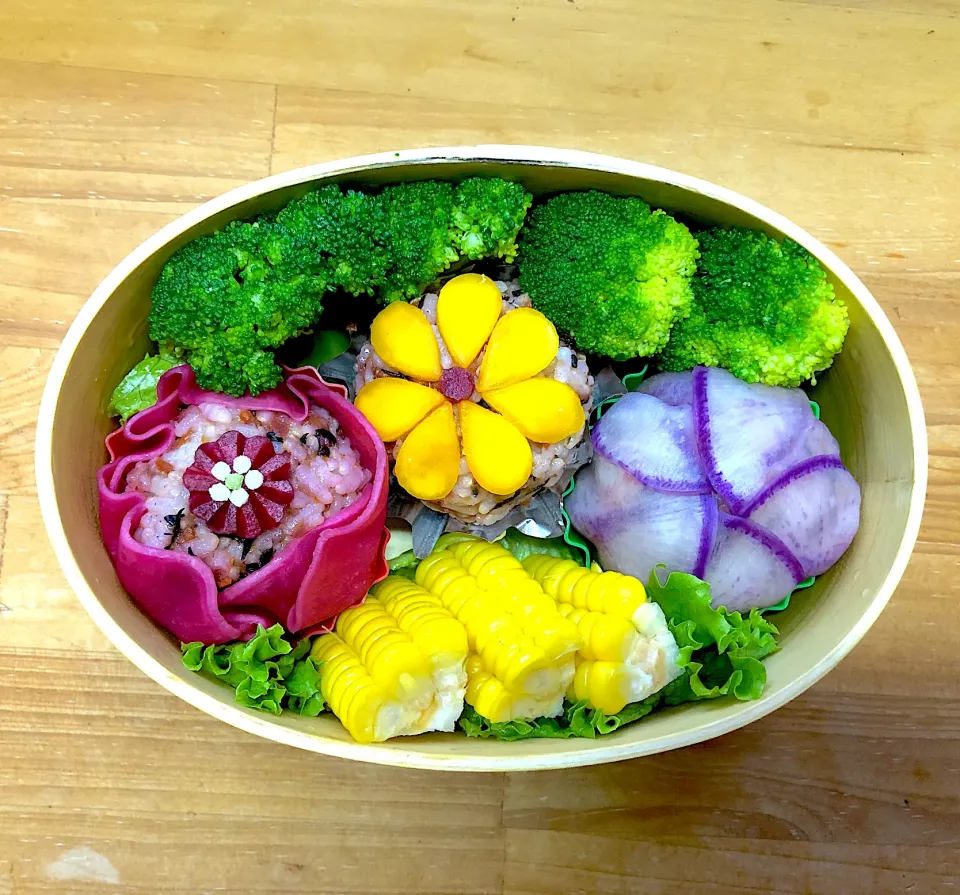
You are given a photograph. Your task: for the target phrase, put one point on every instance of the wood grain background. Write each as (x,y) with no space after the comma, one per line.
(116,117)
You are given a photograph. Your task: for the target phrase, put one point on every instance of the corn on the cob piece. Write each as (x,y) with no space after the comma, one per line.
(363,708)
(438,635)
(385,675)
(390,656)
(499,572)
(505,649)
(628,652)
(522,646)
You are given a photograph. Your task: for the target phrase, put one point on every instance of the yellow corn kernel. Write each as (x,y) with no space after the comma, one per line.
(348,689)
(506,650)
(498,572)
(428,623)
(568,582)
(606,637)
(604,685)
(487,693)
(390,656)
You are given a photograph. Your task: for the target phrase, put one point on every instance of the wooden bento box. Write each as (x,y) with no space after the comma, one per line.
(869,396)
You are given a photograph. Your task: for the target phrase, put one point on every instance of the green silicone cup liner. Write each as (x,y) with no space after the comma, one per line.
(632,382)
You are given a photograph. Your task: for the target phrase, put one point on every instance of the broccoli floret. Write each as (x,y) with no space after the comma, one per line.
(764,310)
(487,215)
(343,237)
(608,271)
(223,301)
(417,217)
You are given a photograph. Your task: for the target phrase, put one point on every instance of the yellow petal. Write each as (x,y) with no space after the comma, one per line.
(428,463)
(468,308)
(405,341)
(522,344)
(394,406)
(498,455)
(544,410)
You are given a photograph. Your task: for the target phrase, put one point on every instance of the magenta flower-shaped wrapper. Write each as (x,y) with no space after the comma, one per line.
(308,583)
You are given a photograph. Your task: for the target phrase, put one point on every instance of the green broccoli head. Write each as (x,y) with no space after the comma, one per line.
(487,215)
(417,218)
(223,301)
(763,310)
(341,236)
(608,271)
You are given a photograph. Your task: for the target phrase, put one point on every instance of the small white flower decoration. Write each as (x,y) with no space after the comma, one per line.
(236,483)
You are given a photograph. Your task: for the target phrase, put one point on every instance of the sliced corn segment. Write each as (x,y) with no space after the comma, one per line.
(500,573)
(506,650)
(627,651)
(522,646)
(389,655)
(439,636)
(394,667)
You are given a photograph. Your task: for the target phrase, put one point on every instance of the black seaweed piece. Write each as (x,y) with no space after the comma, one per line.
(573,360)
(247,543)
(326,435)
(174,520)
(265,557)
(304,437)
(274,438)
(323,450)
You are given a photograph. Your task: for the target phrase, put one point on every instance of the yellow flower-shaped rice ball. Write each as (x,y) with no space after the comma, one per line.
(485,413)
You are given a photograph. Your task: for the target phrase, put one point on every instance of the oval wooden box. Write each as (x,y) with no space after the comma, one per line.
(869,399)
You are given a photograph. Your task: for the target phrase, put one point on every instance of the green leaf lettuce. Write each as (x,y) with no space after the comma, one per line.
(720,651)
(266,672)
(138,389)
(522,546)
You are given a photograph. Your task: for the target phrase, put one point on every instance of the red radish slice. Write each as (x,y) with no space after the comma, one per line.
(652,441)
(814,508)
(635,528)
(749,567)
(675,389)
(750,434)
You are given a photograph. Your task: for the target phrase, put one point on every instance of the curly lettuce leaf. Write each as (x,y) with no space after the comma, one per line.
(266,672)
(138,389)
(522,546)
(577,720)
(720,651)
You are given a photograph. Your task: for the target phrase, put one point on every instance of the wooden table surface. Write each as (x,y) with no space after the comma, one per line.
(116,117)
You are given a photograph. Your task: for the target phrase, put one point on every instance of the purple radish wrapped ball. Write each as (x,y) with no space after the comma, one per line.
(736,483)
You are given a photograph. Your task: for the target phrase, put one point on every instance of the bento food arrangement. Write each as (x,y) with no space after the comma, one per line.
(441,458)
